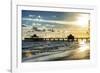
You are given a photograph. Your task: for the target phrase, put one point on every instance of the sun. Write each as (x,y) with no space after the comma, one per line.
(83,20)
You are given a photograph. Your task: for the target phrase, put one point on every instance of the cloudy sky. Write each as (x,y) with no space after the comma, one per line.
(48,19)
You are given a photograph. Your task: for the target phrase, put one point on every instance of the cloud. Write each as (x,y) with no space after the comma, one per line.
(48,21)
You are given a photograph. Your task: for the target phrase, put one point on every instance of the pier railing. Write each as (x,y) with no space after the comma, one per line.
(57,39)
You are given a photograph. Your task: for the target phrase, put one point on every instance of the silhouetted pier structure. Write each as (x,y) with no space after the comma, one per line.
(69,38)
(57,39)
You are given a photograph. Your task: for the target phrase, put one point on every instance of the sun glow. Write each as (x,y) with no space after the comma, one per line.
(83,20)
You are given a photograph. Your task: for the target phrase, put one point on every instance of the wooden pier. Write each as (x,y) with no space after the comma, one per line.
(56,39)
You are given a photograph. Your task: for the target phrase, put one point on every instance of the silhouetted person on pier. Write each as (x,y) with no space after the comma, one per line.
(70,38)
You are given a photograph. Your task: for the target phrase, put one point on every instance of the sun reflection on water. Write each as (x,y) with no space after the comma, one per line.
(83,46)
(82,52)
